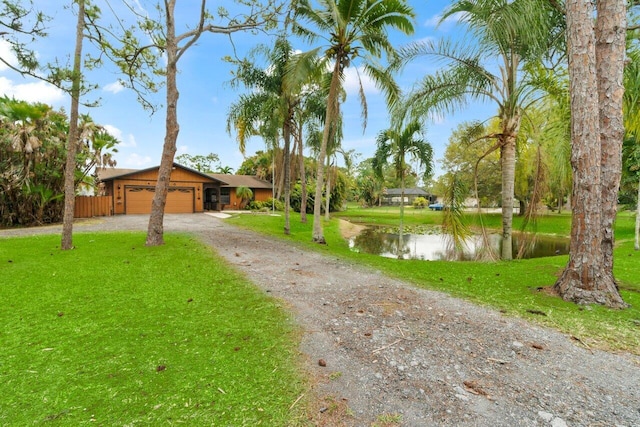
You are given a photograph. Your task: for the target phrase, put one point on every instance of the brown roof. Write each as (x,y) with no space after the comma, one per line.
(112,173)
(241,180)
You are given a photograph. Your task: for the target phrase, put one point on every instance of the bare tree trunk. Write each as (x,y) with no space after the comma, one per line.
(72,141)
(585,280)
(318,235)
(327,192)
(636,245)
(401,228)
(508,158)
(610,51)
(303,179)
(287,170)
(155,232)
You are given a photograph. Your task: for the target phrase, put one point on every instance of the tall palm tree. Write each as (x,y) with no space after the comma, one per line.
(398,144)
(270,109)
(351,30)
(506,33)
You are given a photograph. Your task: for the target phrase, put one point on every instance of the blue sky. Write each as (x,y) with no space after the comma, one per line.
(205,93)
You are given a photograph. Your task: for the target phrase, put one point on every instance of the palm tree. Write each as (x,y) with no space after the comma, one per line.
(351,29)
(245,194)
(269,111)
(507,33)
(398,143)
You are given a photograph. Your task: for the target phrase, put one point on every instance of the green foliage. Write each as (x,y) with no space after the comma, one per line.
(32,160)
(128,341)
(199,162)
(296,196)
(266,206)
(420,203)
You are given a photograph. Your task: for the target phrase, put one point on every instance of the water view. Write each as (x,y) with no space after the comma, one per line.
(434,247)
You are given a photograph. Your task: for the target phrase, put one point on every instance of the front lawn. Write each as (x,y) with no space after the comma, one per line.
(116,333)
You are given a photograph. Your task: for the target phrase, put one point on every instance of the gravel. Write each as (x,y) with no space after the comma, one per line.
(380,350)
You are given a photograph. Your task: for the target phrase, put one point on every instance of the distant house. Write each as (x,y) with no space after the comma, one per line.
(392,196)
(190,191)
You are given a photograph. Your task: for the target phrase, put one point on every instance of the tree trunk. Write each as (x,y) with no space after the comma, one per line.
(318,235)
(508,158)
(401,228)
(610,55)
(72,141)
(155,232)
(585,280)
(287,169)
(636,245)
(327,192)
(303,179)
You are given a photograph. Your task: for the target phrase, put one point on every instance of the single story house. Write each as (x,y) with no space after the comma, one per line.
(190,191)
(392,196)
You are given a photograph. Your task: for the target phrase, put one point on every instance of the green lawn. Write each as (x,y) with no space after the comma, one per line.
(515,288)
(116,333)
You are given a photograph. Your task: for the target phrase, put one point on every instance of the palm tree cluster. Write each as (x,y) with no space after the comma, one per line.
(32,160)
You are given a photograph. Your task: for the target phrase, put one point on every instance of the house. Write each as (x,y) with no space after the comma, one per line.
(391,196)
(190,191)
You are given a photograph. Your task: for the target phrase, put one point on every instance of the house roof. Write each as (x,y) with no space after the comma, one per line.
(407,192)
(108,174)
(241,180)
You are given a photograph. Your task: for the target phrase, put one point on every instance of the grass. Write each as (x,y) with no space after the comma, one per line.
(116,333)
(516,288)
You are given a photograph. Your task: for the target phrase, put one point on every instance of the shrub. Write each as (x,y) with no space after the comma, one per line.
(420,203)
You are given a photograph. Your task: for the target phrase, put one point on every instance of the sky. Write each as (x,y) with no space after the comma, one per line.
(206,93)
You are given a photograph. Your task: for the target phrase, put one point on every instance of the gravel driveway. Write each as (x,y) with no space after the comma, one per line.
(379,350)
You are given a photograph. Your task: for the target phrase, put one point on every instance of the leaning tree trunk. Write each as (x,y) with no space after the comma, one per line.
(585,279)
(155,231)
(72,141)
(318,235)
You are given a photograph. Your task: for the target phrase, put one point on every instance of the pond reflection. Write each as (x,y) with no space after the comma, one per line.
(436,247)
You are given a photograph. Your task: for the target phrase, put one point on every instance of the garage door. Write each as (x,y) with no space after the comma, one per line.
(138,200)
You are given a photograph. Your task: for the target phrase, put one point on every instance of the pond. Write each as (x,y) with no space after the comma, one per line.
(434,247)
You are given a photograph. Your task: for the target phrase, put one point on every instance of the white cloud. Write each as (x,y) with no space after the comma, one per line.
(352,86)
(136,161)
(6,54)
(31,92)
(434,21)
(125,141)
(182,149)
(114,87)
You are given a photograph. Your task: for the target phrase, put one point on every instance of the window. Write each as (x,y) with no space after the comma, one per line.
(225,196)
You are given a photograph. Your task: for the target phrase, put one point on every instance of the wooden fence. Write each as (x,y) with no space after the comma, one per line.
(90,206)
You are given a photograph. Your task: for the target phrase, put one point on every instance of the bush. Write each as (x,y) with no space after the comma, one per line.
(420,203)
(266,206)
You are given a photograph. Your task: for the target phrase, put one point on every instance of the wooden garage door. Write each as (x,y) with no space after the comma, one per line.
(138,200)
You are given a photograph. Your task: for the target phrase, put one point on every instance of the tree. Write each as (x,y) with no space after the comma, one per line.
(73,138)
(138,58)
(352,29)
(596,62)
(631,151)
(245,194)
(398,143)
(199,162)
(507,33)
(270,109)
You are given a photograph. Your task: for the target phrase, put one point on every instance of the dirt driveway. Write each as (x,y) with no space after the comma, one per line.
(397,355)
